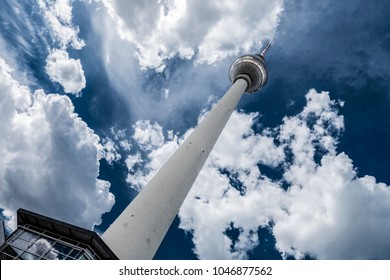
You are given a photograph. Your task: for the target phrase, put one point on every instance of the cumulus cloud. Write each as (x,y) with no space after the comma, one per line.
(164,29)
(162,95)
(318,207)
(150,138)
(110,150)
(60,68)
(334,214)
(49,156)
(31,30)
(148,135)
(66,71)
(58,16)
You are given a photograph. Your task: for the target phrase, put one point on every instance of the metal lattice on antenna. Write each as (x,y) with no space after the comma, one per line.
(265,49)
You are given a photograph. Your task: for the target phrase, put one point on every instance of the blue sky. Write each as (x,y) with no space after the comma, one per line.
(95,96)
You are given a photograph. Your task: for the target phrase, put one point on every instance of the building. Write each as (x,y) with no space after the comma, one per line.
(42,238)
(138,232)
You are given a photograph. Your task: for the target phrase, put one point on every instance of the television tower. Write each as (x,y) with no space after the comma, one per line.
(138,232)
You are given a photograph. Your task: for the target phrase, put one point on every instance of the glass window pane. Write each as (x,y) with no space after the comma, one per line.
(60,248)
(69,258)
(41,247)
(82,257)
(10,251)
(23,239)
(20,245)
(74,253)
(88,254)
(61,257)
(51,255)
(28,256)
(28,236)
(16,234)
(4,256)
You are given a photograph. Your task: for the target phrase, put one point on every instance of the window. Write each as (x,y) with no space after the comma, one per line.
(28,244)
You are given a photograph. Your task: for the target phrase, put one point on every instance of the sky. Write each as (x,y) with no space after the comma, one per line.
(96,95)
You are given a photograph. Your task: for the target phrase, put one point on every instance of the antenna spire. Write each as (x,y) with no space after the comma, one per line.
(264,51)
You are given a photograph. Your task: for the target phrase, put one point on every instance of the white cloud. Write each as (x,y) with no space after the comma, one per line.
(125,145)
(118,133)
(110,150)
(164,29)
(119,136)
(327,212)
(49,157)
(334,214)
(148,135)
(66,71)
(58,15)
(331,213)
(60,68)
(146,92)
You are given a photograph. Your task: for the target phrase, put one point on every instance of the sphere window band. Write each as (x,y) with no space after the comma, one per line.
(251,68)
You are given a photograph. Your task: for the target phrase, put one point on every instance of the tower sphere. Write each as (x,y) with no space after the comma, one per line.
(252,68)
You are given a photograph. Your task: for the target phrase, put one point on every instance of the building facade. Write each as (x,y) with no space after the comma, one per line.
(39,237)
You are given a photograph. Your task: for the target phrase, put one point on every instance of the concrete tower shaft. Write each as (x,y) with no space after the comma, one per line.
(138,232)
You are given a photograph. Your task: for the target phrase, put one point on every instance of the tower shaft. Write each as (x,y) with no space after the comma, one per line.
(139,230)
